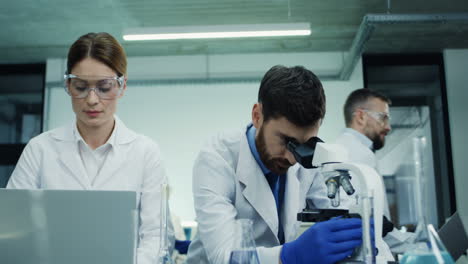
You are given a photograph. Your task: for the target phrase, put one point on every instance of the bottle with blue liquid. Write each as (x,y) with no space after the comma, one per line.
(427,247)
(244,250)
(428,250)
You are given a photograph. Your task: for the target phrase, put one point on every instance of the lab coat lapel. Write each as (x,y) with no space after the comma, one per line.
(69,155)
(114,160)
(117,155)
(291,204)
(256,191)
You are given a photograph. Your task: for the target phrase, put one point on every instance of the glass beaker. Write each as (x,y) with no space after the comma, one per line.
(427,247)
(367,205)
(364,253)
(429,251)
(164,256)
(244,250)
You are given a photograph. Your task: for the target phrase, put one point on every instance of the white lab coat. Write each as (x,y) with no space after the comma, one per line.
(52,161)
(360,153)
(228,184)
(357,151)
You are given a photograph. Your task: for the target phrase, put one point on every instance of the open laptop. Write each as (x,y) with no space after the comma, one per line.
(64,226)
(454,236)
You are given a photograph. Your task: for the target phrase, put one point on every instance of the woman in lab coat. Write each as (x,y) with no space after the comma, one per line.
(97,151)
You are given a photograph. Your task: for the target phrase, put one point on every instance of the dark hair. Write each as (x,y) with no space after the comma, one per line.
(102,47)
(357,99)
(294,93)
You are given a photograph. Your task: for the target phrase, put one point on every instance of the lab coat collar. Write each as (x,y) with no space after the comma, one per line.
(123,135)
(70,157)
(251,131)
(256,191)
(291,203)
(360,137)
(79,139)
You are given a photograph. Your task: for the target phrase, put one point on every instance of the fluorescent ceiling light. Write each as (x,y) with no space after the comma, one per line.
(221,31)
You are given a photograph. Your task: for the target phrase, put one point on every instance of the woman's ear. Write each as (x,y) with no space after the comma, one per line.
(124,87)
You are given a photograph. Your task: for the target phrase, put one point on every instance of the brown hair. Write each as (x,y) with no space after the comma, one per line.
(102,47)
(295,93)
(359,97)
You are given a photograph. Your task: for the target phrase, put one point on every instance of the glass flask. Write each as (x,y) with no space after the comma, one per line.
(244,250)
(364,254)
(164,253)
(427,247)
(367,203)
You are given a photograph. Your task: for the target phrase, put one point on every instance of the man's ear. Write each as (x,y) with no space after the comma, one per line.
(257,115)
(360,118)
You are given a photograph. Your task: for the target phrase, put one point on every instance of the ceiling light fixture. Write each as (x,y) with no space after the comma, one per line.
(218,31)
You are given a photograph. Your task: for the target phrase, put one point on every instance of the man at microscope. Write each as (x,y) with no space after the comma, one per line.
(252,174)
(367,119)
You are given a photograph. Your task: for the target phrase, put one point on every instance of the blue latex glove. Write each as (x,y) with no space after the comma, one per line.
(182,246)
(324,243)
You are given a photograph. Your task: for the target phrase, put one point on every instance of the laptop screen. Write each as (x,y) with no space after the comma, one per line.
(454,237)
(64,226)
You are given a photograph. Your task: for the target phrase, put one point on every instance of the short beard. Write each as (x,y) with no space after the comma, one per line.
(265,157)
(377,142)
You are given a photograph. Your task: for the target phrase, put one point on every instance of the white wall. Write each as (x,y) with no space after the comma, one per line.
(336,93)
(181,116)
(456,74)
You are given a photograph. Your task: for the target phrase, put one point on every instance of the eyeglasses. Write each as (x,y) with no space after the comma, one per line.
(106,88)
(381,117)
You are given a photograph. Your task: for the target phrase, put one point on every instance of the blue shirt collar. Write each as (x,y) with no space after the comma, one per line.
(361,137)
(251,130)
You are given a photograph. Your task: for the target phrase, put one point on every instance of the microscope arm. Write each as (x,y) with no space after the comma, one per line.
(367,184)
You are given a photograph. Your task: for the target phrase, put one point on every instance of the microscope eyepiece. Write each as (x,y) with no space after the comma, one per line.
(304,153)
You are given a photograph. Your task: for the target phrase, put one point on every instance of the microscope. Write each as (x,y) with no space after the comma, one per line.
(332,160)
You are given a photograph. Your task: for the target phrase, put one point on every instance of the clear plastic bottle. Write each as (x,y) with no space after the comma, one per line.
(164,253)
(244,250)
(427,247)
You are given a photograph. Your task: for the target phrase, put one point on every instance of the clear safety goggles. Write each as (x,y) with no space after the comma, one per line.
(105,87)
(381,117)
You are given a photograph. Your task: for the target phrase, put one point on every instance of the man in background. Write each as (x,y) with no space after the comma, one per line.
(367,118)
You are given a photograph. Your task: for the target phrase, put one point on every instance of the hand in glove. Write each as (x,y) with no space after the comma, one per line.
(324,243)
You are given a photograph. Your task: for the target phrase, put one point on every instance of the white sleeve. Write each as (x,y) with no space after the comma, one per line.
(214,190)
(26,172)
(150,205)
